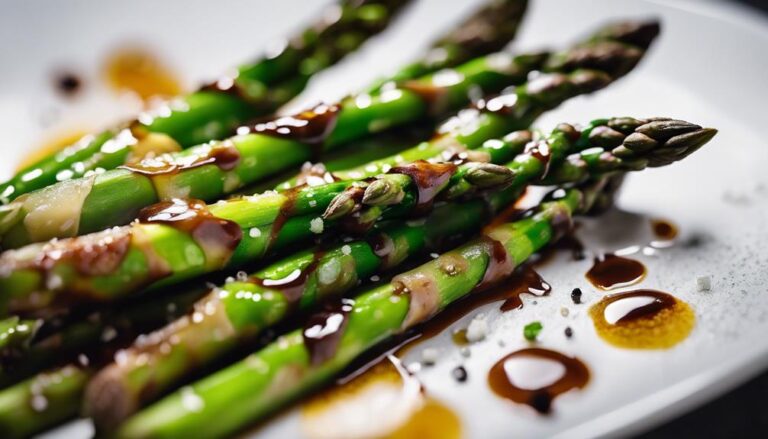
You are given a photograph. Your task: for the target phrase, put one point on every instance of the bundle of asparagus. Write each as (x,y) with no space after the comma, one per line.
(209,171)
(213,111)
(389,212)
(175,240)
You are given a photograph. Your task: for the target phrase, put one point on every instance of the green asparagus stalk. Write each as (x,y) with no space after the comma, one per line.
(216,110)
(209,171)
(176,240)
(16,334)
(304,359)
(604,146)
(33,405)
(330,340)
(39,400)
(488,30)
(239,310)
(172,242)
(99,326)
(129,382)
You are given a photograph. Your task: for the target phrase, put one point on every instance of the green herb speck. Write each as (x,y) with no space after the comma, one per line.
(531,330)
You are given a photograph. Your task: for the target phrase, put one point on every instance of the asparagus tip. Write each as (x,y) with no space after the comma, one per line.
(486,175)
(382,192)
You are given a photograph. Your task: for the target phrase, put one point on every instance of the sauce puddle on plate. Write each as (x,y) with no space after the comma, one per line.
(536,376)
(137,70)
(611,271)
(642,319)
(385,401)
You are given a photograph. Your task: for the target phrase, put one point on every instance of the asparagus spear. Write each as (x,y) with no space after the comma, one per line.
(488,30)
(16,334)
(209,171)
(331,339)
(608,145)
(176,240)
(215,110)
(171,243)
(41,400)
(241,308)
(285,283)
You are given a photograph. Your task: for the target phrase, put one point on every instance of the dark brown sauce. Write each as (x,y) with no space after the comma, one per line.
(428,178)
(223,155)
(540,151)
(285,213)
(536,376)
(293,285)
(642,319)
(664,230)
(311,126)
(137,70)
(383,247)
(611,271)
(68,84)
(215,235)
(499,264)
(323,330)
(525,280)
(433,95)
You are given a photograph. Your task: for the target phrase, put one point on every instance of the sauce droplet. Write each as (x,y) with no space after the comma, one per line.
(642,319)
(664,230)
(67,84)
(323,330)
(536,376)
(136,70)
(353,409)
(611,271)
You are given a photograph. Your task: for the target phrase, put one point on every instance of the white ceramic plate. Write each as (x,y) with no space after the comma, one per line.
(708,67)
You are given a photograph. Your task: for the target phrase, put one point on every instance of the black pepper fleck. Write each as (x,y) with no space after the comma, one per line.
(568,332)
(459,374)
(576,295)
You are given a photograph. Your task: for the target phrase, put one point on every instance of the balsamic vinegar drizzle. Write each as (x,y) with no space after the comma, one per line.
(323,330)
(292,286)
(536,376)
(225,156)
(193,217)
(311,127)
(428,179)
(611,271)
(525,280)
(642,319)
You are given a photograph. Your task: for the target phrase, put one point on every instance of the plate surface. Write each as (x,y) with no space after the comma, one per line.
(708,67)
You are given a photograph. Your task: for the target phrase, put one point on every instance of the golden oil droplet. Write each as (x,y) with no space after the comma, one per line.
(642,319)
